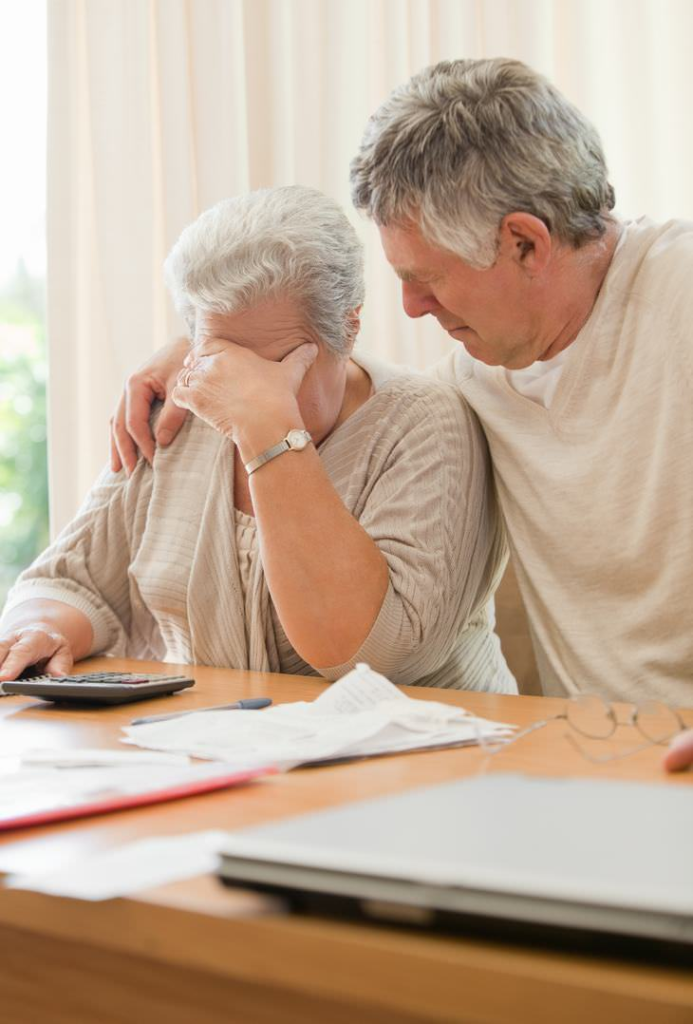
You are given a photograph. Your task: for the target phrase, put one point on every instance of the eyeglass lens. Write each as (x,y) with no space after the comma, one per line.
(590,715)
(656,721)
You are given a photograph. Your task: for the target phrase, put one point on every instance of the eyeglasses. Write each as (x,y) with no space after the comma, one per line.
(589,715)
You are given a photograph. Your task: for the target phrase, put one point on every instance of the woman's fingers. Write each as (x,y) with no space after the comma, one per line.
(680,752)
(298,363)
(61,663)
(31,646)
(185,377)
(206,347)
(180,396)
(6,644)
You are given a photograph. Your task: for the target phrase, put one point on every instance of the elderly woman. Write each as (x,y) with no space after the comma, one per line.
(318,509)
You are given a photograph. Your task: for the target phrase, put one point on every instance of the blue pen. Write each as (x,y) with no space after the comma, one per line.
(246,704)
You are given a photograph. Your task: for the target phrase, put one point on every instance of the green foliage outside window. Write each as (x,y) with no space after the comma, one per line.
(23,455)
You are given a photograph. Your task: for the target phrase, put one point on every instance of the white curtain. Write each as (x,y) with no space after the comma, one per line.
(159,108)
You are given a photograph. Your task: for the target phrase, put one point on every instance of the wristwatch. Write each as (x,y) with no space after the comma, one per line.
(295,441)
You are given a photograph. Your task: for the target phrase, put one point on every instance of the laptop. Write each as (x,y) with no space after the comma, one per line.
(550,855)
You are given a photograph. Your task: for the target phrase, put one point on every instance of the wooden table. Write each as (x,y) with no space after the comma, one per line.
(196,953)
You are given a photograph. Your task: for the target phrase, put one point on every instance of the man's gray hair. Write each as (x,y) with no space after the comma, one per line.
(466,142)
(292,241)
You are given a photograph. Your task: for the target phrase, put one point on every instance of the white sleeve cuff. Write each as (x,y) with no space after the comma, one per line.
(106,627)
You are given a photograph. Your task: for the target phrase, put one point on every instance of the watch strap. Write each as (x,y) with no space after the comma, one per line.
(284,445)
(267,456)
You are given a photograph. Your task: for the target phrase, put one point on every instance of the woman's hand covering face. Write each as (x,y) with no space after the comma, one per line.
(235,390)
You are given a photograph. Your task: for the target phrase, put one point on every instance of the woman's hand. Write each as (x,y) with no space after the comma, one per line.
(38,645)
(242,395)
(130,426)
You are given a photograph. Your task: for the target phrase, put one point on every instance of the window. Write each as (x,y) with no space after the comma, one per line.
(23,462)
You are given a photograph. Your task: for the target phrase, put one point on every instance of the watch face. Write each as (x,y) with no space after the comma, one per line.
(298,439)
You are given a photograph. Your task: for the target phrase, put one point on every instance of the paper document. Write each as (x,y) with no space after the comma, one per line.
(84,758)
(362,715)
(144,864)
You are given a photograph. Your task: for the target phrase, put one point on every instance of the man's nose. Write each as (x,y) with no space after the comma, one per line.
(417,300)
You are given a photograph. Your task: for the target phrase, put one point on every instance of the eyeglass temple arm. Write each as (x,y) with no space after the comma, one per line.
(604,758)
(494,748)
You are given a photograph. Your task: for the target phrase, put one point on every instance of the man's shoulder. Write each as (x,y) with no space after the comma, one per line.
(409,390)
(658,259)
(453,369)
(657,293)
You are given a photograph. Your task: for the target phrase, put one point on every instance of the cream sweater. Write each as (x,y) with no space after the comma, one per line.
(597,491)
(153,562)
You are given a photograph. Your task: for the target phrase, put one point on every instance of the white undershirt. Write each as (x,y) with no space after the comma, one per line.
(539,381)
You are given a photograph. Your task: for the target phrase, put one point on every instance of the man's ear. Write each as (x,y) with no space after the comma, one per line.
(525,239)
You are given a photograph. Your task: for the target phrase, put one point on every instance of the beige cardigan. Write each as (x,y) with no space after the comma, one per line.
(152,560)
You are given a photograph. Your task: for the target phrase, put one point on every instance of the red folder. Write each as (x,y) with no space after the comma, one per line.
(86,808)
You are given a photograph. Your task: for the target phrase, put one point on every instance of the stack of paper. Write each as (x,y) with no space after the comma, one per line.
(362,715)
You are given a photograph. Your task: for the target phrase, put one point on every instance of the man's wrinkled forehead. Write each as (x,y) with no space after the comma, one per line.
(411,257)
(414,275)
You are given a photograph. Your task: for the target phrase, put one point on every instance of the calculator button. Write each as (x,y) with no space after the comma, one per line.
(106,679)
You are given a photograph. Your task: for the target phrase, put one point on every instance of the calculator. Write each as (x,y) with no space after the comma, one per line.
(98,687)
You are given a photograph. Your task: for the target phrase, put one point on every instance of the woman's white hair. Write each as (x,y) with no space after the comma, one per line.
(466,142)
(292,241)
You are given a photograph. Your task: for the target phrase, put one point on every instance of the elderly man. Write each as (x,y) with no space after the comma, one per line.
(491,196)
(490,192)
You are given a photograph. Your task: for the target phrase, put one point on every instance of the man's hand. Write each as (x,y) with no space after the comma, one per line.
(130,426)
(240,394)
(680,752)
(36,645)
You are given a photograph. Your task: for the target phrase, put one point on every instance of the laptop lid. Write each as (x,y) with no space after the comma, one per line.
(597,855)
